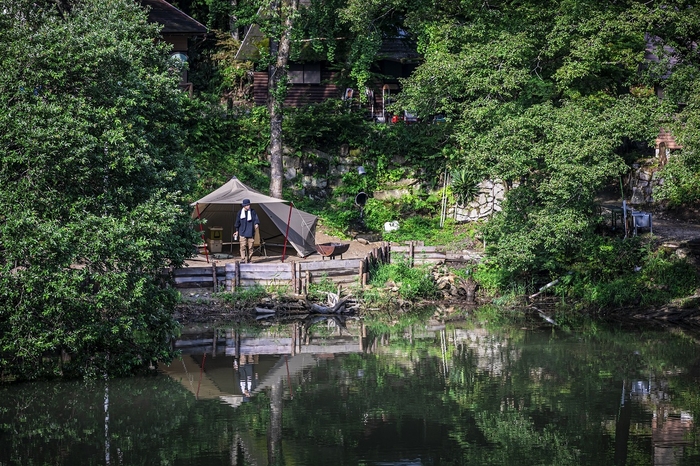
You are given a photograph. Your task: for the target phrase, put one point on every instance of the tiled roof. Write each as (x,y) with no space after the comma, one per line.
(173,20)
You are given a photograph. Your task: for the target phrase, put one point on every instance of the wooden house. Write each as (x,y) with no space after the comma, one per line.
(315,81)
(178,30)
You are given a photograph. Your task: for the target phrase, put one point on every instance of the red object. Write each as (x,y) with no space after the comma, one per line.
(395,119)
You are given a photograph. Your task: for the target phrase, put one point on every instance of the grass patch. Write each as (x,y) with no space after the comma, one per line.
(319,288)
(660,278)
(245,297)
(410,283)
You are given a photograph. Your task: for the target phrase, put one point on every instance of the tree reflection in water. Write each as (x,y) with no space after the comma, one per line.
(359,393)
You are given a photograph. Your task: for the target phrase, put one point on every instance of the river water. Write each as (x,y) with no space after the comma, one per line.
(333,392)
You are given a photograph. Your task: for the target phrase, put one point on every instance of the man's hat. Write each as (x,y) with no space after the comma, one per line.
(246,202)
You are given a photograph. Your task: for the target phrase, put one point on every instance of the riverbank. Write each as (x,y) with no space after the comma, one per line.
(676,233)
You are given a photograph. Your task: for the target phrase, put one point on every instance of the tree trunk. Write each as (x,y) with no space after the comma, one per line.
(277,92)
(232,20)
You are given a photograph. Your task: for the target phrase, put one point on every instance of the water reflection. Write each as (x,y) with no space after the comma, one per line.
(348,393)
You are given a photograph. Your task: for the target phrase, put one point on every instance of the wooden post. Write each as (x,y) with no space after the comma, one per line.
(214,341)
(411,253)
(238,273)
(293,270)
(308,280)
(299,278)
(213,276)
(365,274)
(362,271)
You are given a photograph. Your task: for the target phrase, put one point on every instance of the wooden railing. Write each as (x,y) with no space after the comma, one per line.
(298,275)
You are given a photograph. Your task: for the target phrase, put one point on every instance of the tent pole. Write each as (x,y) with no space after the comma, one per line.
(233,226)
(286,233)
(201,232)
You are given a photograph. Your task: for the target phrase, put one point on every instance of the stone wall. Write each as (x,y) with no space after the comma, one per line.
(642,180)
(485,204)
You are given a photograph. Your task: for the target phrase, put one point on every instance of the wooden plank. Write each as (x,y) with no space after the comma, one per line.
(335,273)
(196,271)
(260,282)
(266,275)
(318,276)
(330,264)
(338,271)
(192,271)
(433,255)
(416,249)
(250,342)
(203,278)
(263,267)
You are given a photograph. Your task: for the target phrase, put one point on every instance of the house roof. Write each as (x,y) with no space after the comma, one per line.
(399,49)
(173,20)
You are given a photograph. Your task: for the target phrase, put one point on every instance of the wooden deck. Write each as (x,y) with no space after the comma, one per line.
(297,275)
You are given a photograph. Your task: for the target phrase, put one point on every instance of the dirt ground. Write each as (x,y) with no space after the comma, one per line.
(668,225)
(359,248)
(676,226)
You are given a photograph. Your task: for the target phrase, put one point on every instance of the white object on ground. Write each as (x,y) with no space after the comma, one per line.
(391,226)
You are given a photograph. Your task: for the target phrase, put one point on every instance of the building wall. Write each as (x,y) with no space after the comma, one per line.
(298,94)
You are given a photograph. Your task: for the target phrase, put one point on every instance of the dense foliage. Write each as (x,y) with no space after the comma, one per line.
(92,175)
(542,99)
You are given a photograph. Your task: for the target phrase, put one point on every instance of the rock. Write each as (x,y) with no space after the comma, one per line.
(442,283)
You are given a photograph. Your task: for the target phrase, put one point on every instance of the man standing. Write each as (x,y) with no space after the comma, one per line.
(244,230)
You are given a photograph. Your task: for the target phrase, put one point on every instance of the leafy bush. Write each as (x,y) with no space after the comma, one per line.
(318,289)
(681,180)
(658,279)
(465,185)
(412,282)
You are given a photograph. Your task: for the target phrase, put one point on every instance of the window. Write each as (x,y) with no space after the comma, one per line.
(309,73)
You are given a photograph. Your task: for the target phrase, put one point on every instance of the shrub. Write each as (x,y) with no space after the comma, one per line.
(412,282)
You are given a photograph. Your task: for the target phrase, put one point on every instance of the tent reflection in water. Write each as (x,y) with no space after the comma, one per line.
(278,218)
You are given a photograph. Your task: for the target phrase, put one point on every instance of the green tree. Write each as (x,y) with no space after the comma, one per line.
(675,46)
(92,173)
(543,96)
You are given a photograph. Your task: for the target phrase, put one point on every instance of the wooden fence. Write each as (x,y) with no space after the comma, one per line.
(298,275)
(417,254)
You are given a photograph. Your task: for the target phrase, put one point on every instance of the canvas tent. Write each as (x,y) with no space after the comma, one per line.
(277,216)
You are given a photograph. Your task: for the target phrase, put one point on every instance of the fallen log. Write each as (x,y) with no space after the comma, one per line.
(337,308)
